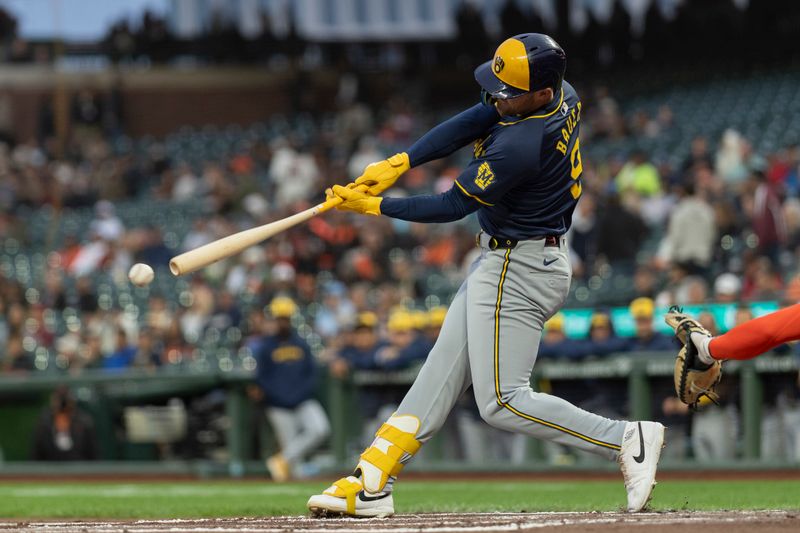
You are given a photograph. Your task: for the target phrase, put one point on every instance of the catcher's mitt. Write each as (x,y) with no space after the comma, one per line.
(693,378)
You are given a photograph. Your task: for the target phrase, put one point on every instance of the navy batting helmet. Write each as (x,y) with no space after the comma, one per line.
(523,63)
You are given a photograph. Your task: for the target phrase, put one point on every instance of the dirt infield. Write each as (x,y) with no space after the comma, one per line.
(727,522)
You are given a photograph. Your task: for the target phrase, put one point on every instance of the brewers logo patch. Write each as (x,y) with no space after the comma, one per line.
(498,64)
(485,176)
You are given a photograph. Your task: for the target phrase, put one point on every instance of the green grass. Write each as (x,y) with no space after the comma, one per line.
(219,499)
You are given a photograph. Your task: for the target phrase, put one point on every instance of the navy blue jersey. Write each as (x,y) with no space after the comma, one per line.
(286,370)
(526,172)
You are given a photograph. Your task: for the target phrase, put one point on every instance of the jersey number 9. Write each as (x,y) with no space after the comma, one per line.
(577,169)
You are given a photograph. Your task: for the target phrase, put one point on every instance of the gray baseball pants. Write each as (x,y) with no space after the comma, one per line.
(299,430)
(490,339)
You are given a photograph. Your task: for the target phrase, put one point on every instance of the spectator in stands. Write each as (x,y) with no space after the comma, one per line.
(555,344)
(91,256)
(16,358)
(699,154)
(646,338)
(148,353)
(63,432)
(194,320)
(248,275)
(638,175)
(294,174)
(14,317)
(219,189)
(336,310)
(106,224)
(552,336)
(158,317)
(406,345)
(67,348)
(186,186)
(708,321)
(69,251)
(199,235)
(359,352)
(602,339)
(226,313)
(90,353)
(691,234)
(621,232)
(436,318)
(282,279)
(123,356)
(730,164)
(286,379)
(645,282)
(727,288)
(176,349)
(54,295)
(154,252)
(767,217)
(693,291)
(761,281)
(86,296)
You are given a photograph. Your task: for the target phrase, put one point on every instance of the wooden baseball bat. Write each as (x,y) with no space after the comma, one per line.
(212,252)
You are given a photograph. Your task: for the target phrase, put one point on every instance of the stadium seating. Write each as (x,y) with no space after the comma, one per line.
(765,109)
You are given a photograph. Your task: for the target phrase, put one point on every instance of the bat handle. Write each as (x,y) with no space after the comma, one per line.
(330,203)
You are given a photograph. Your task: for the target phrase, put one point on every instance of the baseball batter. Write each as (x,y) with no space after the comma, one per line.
(524,182)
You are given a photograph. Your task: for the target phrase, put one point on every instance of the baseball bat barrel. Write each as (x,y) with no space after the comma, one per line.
(212,252)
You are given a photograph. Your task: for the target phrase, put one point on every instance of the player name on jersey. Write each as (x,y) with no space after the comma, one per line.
(566,132)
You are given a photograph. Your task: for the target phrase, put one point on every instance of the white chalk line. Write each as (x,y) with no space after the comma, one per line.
(523,521)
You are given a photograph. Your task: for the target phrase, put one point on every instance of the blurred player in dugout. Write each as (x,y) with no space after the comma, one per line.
(286,382)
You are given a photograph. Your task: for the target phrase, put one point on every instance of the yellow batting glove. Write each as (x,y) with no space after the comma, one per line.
(382,175)
(357,201)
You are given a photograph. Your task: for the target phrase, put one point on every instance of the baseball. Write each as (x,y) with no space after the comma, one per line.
(141,274)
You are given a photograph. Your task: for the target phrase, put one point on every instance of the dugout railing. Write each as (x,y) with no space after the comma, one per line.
(23,397)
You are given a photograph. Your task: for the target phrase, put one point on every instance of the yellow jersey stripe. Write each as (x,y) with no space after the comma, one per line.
(561,101)
(472,195)
(500,401)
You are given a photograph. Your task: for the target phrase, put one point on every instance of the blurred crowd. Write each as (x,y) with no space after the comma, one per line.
(723,225)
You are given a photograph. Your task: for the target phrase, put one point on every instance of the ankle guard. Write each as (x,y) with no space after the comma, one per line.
(395,441)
